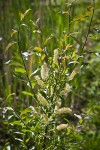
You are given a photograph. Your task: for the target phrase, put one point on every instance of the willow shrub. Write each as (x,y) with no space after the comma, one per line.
(40,112)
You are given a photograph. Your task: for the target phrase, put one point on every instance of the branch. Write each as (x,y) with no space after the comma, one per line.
(88,27)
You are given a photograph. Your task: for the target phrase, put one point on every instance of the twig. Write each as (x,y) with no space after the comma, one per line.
(69,19)
(45,138)
(18,115)
(88,27)
(19,46)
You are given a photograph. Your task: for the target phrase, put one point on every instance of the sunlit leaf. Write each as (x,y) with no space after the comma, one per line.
(27,93)
(38,21)
(23,15)
(12,94)
(68,4)
(73,62)
(48,39)
(13,63)
(97,54)
(33,73)
(9,108)
(38,49)
(13,32)
(26,54)
(37,31)
(65,12)
(78,116)
(17,75)
(9,117)
(67,57)
(20,133)
(90,8)
(80,121)
(27,11)
(25,130)
(24,25)
(10,44)
(43,56)
(20,70)
(27,110)
(68,130)
(79,18)
(27,140)
(73,54)
(68,46)
(17,123)
(33,23)
(20,140)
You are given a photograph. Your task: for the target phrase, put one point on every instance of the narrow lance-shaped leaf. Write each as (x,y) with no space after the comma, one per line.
(38,49)
(20,70)
(10,44)
(24,25)
(13,32)
(48,39)
(68,46)
(27,93)
(27,110)
(23,15)
(26,12)
(17,123)
(12,94)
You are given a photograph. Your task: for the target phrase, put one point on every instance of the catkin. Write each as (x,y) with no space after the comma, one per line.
(55,58)
(58,104)
(44,71)
(66,89)
(62,126)
(42,100)
(63,110)
(74,72)
(39,81)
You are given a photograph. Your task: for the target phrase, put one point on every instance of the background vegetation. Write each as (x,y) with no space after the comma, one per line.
(49,75)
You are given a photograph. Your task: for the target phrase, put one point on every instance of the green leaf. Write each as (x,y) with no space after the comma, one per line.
(97,54)
(17,123)
(24,25)
(24,112)
(48,39)
(12,94)
(20,70)
(26,12)
(20,133)
(27,140)
(38,49)
(10,44)
(20,140)
(13,32)
(23,15)
(25,130)
(66,12)
(27,93)
(13,63)
(79,18)
(17,75)
(33,73)
(80,121)
(37,31)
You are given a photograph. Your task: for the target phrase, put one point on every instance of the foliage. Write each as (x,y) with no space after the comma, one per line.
(50,97)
